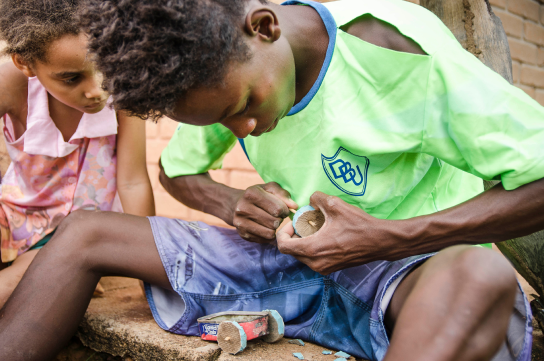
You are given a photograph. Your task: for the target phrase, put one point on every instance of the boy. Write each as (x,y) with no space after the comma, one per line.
(386,113)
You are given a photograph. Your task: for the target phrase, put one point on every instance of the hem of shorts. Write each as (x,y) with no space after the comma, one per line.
(164,260)
(400,272)
(153,308)
(525,355)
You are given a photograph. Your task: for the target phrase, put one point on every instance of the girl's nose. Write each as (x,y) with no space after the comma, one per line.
(94,93)
(241,128)
(94,89)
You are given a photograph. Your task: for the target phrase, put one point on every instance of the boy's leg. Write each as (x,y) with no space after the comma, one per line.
(47,306)
(10,277)
(455,306)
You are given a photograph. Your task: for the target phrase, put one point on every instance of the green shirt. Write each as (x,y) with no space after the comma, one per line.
(396,134)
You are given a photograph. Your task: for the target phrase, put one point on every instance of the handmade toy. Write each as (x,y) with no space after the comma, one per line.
(233,329)
(307,220)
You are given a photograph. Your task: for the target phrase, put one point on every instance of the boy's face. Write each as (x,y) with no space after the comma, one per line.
(253,97)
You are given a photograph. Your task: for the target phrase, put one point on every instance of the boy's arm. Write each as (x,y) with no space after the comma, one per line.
(255,212)
(202,193)
(350,237)
(474,121)
(133,182)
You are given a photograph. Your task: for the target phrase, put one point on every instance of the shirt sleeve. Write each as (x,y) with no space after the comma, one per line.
(478,122)
(195,150)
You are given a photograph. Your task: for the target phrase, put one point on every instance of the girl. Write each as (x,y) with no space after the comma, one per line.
(69,150)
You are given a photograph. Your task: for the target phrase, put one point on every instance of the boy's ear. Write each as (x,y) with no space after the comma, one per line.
(263,22)
(22,65)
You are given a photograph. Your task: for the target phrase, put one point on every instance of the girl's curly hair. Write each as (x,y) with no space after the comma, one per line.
(152,51)
(29,26)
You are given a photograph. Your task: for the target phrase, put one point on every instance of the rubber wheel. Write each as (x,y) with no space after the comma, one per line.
(231,337)
(276,327)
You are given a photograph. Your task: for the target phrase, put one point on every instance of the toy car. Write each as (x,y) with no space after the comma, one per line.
(233,329)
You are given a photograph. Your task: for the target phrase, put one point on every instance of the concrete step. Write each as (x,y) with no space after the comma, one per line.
(120,324)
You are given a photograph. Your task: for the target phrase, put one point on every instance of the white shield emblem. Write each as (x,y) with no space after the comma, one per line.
(347,171)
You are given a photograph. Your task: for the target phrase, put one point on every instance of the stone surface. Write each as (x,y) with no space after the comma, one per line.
(121,324)
(76,351)
(119,327)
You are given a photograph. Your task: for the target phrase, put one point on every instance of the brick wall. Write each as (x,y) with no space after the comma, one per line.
(523,21)
(237,172)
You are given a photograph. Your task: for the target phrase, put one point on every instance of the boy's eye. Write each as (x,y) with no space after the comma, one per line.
(246,107)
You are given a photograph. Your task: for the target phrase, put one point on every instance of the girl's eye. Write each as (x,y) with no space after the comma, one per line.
(72,80)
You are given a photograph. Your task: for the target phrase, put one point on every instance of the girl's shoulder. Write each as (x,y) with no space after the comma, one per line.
(13,92)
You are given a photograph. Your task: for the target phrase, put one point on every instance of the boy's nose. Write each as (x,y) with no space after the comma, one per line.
(242,128)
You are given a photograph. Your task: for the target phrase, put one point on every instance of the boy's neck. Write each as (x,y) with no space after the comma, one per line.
(306,33)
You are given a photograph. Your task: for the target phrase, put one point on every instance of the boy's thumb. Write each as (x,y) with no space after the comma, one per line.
(321,201)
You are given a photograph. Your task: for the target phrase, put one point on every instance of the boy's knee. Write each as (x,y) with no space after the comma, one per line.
(485,271)
(80,229)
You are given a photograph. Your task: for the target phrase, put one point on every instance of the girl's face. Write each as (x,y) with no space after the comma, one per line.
(70,76)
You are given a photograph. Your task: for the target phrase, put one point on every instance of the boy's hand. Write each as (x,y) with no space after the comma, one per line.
(260,210)
(350,237)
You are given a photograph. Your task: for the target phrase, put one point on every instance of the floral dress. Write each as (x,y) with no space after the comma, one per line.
(49,178)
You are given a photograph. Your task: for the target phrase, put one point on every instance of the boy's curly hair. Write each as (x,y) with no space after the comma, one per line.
(29,26)
(152,51)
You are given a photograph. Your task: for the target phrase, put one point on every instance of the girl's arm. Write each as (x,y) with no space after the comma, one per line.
(133,182)
(13,92)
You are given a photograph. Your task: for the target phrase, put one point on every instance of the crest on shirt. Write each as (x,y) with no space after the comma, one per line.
(347,171)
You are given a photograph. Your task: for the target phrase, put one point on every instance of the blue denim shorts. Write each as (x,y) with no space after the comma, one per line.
(212,270)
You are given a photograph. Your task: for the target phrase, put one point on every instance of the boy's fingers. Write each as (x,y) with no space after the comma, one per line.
(270,203)
(287,240)
(254,232)
(275,189)
(247,212)
(287,230)
(256,239)
(325,203)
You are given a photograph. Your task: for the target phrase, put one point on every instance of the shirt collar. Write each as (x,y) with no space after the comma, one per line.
(42,137)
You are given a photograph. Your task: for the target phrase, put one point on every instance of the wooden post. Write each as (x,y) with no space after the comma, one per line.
(480,31)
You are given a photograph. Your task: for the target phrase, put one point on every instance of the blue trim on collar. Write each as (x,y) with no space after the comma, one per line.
(330,25)
(243,144)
